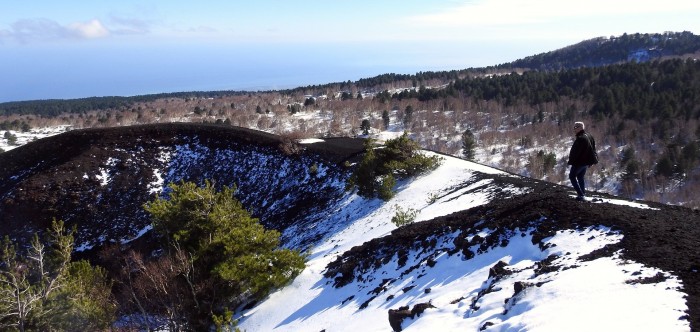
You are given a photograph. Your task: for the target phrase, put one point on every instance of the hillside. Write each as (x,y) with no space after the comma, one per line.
(644,114)
(603,51)
(631,265)
(99,179)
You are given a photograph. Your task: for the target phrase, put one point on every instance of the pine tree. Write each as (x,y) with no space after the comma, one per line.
(385,119)
(400,158)
(468,145)
(408,117)
(227,246)
(365,127)
(364,175)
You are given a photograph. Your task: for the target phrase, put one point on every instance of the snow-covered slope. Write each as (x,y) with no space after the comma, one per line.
(489,250)
(523,281)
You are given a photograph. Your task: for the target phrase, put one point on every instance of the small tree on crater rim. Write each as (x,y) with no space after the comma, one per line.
(399,158)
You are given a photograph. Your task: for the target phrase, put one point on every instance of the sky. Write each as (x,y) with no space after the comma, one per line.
(68,49)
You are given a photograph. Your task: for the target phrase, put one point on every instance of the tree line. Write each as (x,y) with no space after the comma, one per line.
(634,91)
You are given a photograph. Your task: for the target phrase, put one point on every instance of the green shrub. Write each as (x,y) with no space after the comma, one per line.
(386,187)
(432,198)
(404,217)
(399,158)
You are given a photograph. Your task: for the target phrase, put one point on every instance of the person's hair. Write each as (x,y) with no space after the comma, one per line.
(580,124)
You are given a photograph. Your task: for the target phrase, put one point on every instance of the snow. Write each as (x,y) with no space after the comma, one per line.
(585,295)
(310,141)
(29,136)
(104,176)
(596,199)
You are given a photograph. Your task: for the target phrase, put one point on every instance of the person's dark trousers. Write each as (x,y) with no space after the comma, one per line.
(576,176)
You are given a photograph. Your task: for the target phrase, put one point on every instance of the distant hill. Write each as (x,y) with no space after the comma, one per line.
(604,51)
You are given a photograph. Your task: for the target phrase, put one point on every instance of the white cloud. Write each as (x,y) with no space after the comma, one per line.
(89,30)
(41,29)
(518,12)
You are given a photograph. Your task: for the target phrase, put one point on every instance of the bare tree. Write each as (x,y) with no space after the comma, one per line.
(26,282)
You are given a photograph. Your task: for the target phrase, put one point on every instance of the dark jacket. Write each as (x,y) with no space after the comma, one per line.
(583,150)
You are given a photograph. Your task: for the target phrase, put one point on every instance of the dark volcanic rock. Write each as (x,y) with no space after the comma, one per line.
(99,179)
(397,316)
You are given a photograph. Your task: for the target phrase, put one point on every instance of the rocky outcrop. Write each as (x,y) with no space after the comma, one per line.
(397,316)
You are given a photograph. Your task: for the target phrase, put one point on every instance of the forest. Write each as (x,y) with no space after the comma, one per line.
(644,114)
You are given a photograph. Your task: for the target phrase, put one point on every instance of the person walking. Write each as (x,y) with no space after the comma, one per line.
(581,156)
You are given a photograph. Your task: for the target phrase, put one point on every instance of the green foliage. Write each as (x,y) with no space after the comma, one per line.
(11,138)
(626,156)
(84,302)
(549,160)
(386,119)
(403,217)
(42,290)
(432,198)
(228,247)
(16,125)
(691,154)
(468,144)
(631,170)
(365,127)
(408,116)
(615,91)
(294,108)
(677,160)
(56,107)
(542,163)
(225,322)
(601,51)
(629,164)
(399,158)
(664,167)
(386,187)
(364,176)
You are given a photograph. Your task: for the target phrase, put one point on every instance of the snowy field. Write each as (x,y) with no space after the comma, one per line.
(21,138)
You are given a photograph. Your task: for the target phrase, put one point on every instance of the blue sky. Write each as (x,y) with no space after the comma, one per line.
(70,48)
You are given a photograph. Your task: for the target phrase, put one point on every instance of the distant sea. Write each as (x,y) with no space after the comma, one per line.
(85,70)
(57,84)
(66,76)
